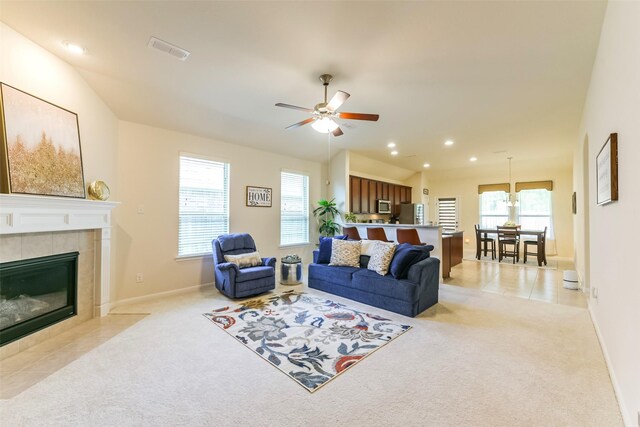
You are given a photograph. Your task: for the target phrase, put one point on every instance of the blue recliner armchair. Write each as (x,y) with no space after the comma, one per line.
(237,282)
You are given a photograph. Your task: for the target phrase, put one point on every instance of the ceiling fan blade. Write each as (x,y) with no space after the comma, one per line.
(337,100)
(359,116)
(302,123)
(294,107)
(337,132)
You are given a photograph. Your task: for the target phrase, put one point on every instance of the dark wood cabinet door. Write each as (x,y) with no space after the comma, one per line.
(406,195)
(364,195)
(373,185)
(391,197)
(379,194)
(385,191)
(354,182)
(398,199)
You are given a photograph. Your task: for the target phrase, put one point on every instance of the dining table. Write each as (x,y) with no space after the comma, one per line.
(538,234)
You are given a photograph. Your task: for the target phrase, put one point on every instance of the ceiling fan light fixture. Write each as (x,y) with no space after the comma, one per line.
(324,125)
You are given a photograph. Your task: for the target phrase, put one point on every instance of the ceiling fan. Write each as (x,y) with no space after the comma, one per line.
(324,114)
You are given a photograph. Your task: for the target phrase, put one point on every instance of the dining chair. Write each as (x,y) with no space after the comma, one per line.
(351,233)
(408,235)
(540,250)
(377,233)
(508,243)
(484,243)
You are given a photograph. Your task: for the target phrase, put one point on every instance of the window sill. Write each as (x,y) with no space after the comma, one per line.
(195,257)
(294,245)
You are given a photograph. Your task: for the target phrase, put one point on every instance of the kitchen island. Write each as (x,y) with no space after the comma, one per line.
(429,234)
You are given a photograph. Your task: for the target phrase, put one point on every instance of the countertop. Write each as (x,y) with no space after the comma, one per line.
(377,224)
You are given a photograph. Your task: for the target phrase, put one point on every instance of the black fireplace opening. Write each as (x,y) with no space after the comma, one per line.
(36,293)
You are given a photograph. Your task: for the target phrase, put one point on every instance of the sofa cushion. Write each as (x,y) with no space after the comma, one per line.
(325,273)
(253,273)
(250,259)
(405,256)
(345,253)
(324,250)
(370,281)
(381,257)
(367,247)
(236,242)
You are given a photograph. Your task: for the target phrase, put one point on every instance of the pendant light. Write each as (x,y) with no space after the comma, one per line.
(512,198)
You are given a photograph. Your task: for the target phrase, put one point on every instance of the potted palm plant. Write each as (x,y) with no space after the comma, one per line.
(326,212)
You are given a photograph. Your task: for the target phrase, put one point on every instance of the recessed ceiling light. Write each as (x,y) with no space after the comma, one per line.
(394,153)
(448,142)
(74,47)
(473,159)
(391,144)
(426,165)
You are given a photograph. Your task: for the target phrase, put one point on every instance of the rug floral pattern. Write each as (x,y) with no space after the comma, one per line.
(309,338)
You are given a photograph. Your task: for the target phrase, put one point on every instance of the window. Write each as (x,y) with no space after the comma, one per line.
(448,213)
(203,212)
(534,211)
(294,208)
(493,209)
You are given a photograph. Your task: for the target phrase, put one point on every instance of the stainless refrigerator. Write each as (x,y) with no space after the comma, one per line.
(411,213)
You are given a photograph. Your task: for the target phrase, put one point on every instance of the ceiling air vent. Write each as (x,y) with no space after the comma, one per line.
(168,48)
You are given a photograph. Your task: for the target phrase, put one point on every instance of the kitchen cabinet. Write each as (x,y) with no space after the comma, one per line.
(354,186)
(365,193)
(364,196)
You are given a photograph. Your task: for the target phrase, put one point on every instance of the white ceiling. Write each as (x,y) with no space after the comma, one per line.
(492,76)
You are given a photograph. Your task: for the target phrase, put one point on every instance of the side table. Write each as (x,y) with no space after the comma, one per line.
(291,270)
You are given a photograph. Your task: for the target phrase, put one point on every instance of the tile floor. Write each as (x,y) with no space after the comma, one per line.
(518,280)
(19,372)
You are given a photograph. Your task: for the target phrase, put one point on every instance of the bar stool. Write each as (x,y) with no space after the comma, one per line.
(540,250)
(408,235)
(377,233)
(484,243)
(352,233)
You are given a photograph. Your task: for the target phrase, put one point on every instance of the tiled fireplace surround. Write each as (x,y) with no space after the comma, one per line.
(36,226)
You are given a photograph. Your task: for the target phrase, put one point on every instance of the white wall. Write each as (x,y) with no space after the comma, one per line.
(30,68)
(338,188)
(613,105)
(464,185)
(148,168)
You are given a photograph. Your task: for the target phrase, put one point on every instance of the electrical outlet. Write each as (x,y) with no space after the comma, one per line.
(141,209)
(594,293)
(139,278)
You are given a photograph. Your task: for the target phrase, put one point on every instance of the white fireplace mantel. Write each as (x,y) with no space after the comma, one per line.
(21,214)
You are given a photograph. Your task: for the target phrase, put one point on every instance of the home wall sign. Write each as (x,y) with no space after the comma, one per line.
(607,171)
(259,197)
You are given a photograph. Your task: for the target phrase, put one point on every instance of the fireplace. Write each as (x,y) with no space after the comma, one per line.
(36,293)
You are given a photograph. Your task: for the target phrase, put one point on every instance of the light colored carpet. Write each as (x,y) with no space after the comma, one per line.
(474,359)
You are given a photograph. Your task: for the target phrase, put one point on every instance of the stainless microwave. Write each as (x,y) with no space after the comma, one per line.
(384,206)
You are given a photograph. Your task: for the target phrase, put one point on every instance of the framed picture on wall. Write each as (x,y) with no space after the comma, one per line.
(574,207)
(40,147)
(607,171)
(259,197)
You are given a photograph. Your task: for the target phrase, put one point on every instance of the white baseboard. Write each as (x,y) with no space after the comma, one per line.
(150,297)
(612,374)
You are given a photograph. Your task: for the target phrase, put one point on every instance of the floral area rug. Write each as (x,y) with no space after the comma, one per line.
(309,338)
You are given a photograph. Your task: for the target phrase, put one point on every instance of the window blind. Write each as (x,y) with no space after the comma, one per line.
(448,213)
(203,212)
(294,208)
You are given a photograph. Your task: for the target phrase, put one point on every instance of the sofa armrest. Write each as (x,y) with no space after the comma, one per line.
(426,274)
(226,266)
(315,256)
(269,262)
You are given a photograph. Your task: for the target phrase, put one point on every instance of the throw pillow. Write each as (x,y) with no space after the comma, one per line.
(250,259)
(345,252)
(381,258)
(367,247)
(324,250)
(406,255)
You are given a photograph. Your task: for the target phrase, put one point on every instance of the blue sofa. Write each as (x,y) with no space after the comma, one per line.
(409,297)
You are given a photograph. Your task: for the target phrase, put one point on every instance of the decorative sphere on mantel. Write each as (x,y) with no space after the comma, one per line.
(99,190)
